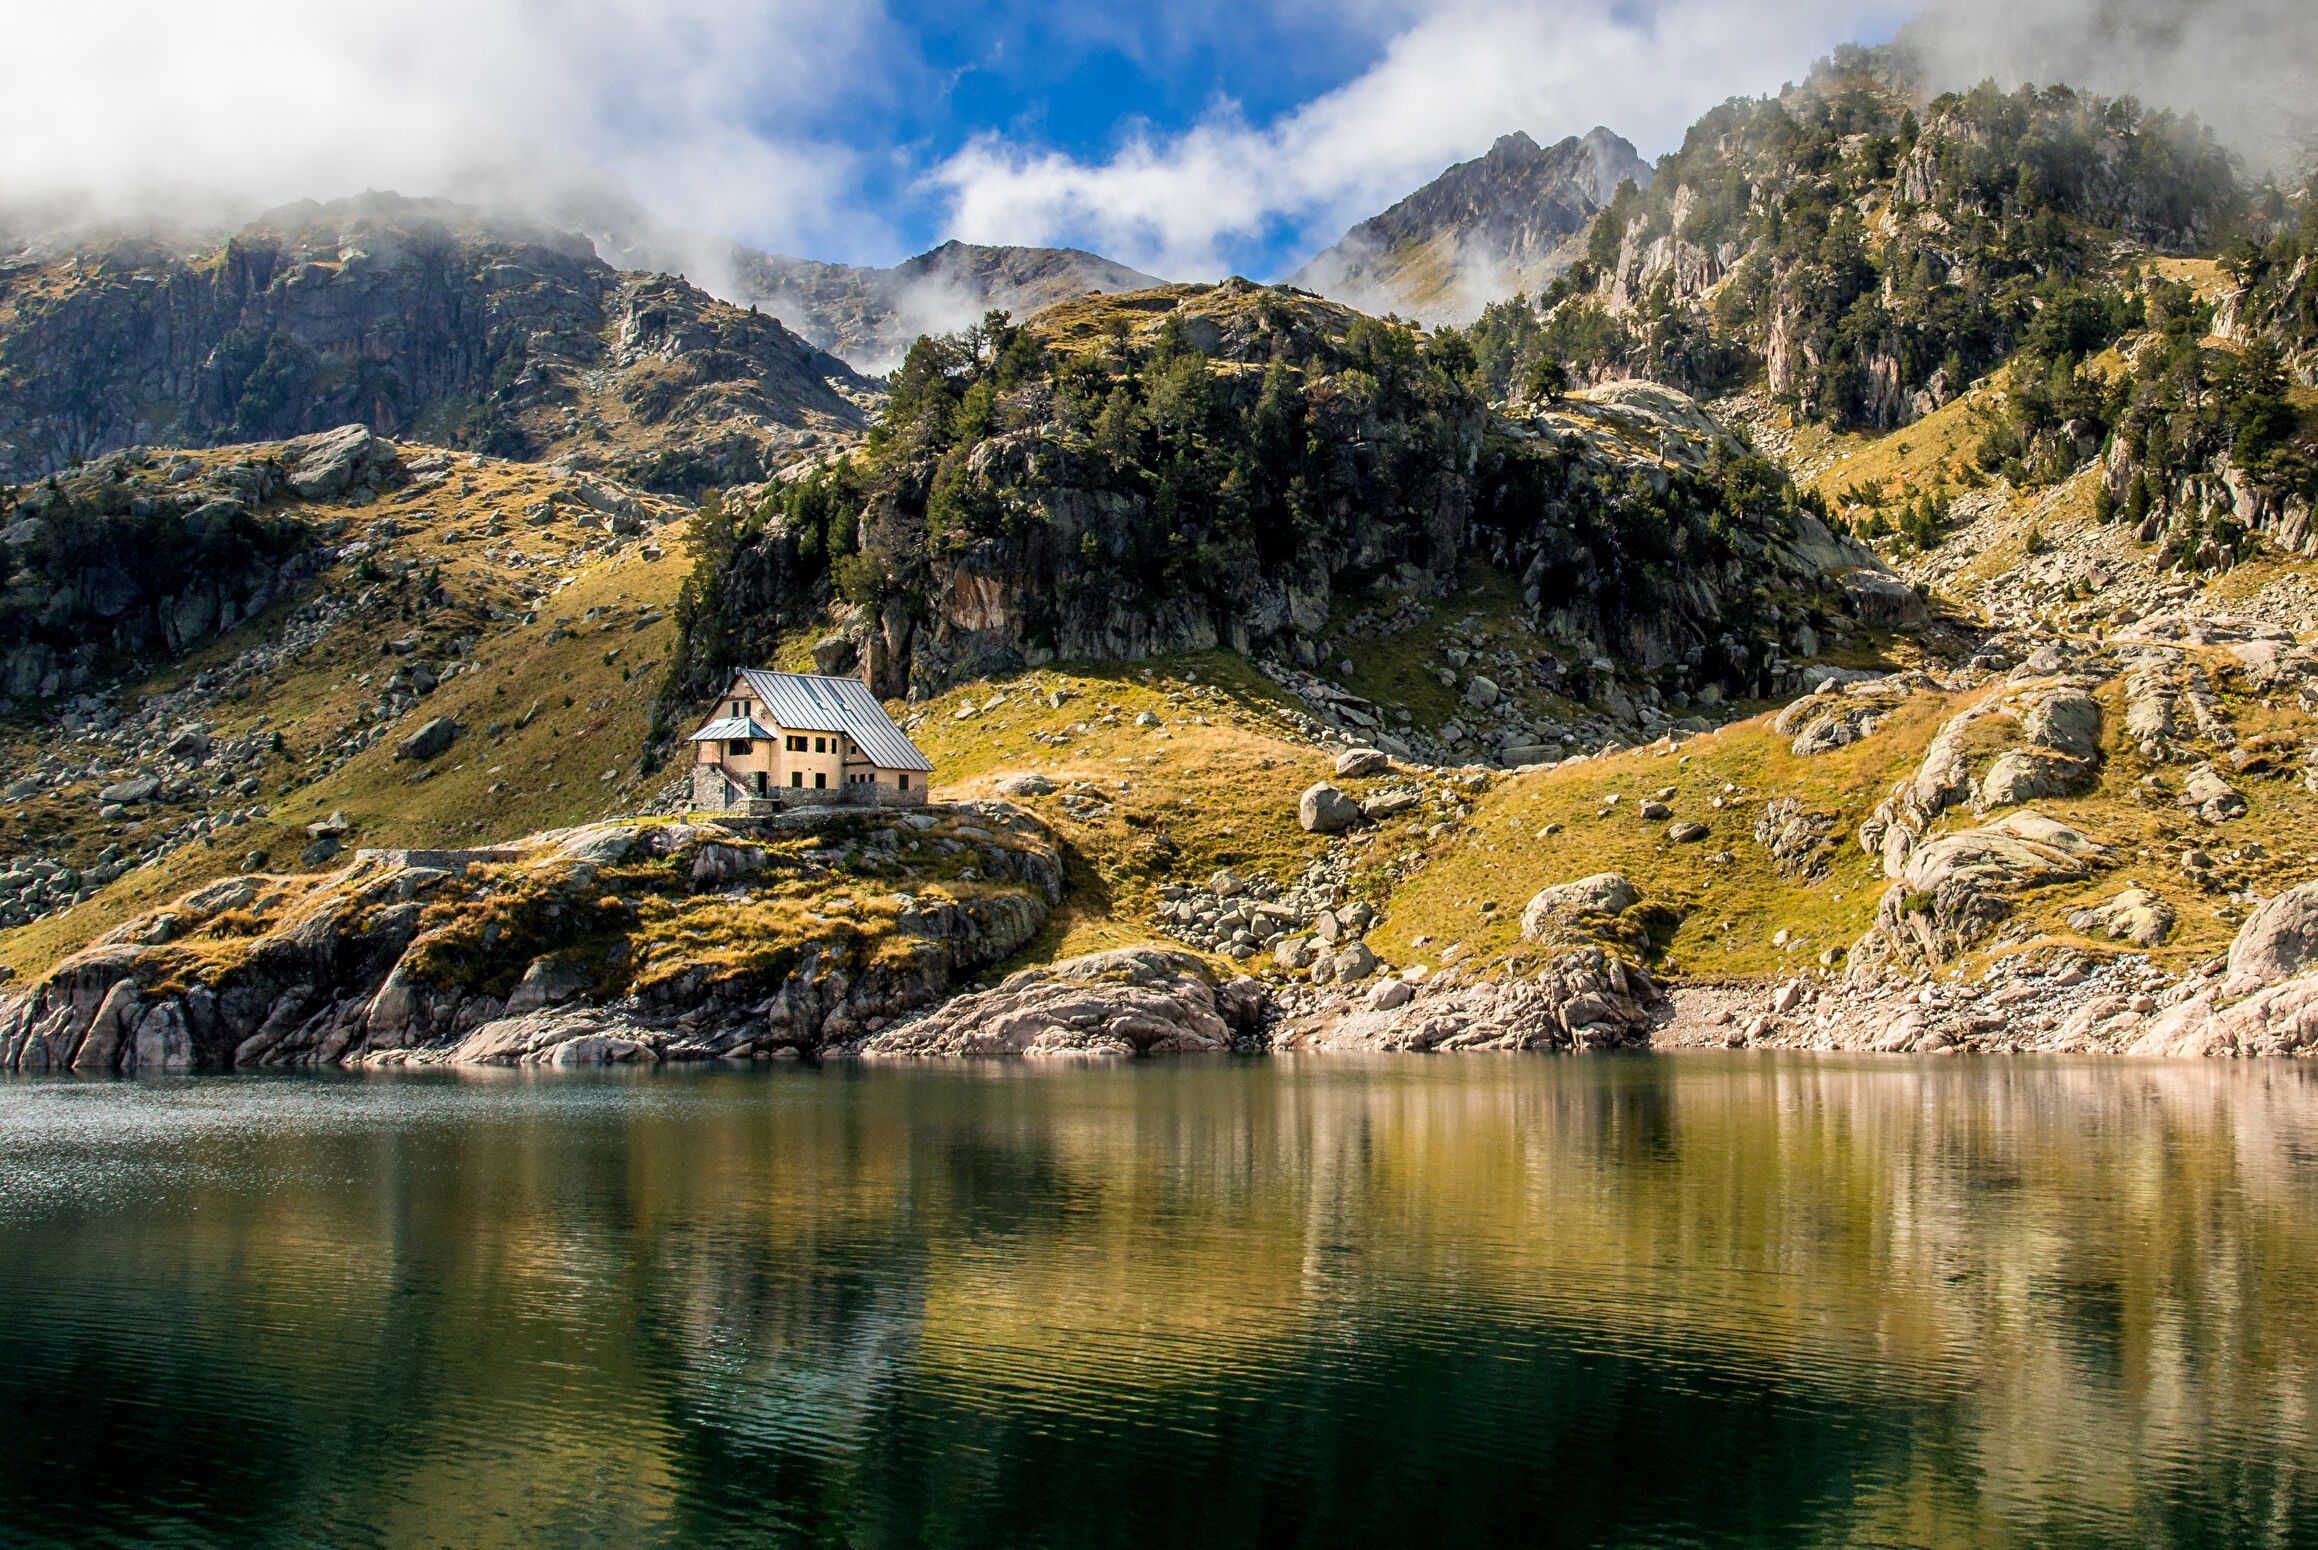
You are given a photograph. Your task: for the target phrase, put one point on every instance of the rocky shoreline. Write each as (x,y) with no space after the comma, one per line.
(844,934)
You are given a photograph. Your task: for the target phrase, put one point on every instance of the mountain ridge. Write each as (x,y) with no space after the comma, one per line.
(410,316)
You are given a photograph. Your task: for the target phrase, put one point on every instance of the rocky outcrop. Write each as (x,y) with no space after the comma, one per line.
(1800,842)
(663,939)
(1955,889)
(1029,543)
(2136,916)
(2278,943)
(137,553)
(1584,999)
(1131,1001)
(2054,727)
(2265,1002)
(1838,714)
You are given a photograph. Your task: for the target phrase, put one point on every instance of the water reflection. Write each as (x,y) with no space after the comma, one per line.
(1675,1299)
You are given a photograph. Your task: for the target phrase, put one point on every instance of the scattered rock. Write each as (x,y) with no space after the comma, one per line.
(429,741)
(1388,804)
(1323,809)
(2213,799)
(1604,893)
(2135,915)
(1356,962)
(1355,762)
(137,788)
(1390,995)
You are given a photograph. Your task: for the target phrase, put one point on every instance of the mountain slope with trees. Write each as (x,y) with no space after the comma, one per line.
(1238,466)
(1863,253)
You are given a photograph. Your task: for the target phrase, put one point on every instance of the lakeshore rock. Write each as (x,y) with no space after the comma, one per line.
(1129,1001)
(1584,999)
(394,958)
(2279,942)
(1955,889)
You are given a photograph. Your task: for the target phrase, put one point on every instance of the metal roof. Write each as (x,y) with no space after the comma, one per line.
(732,727)
(812,703)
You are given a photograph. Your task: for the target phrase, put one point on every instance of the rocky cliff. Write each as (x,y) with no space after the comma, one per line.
(1506,222)
(405,316)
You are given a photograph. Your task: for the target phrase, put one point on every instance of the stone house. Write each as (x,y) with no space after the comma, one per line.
(786,739)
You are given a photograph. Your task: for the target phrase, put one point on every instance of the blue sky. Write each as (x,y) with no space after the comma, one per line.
(1193,139)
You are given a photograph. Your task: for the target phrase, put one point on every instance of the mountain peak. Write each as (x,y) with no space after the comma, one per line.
(1503,222)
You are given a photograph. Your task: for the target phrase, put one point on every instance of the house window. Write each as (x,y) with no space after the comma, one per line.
(820,780)
(796,777)
(761,782)
(796,744)
(820,745)
(738,745)
(901,781)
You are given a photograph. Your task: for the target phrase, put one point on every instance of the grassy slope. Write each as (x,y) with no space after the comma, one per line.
(548,774)
(1179,800)
(1733,912)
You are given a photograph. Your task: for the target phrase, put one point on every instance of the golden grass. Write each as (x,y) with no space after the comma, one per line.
(1212,786)
(1732,913)
(592,688)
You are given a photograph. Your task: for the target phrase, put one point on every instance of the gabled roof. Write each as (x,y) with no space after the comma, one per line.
(809,702)
(732,727)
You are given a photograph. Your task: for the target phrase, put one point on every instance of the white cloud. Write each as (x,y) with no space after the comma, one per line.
(707,109)
(2247,67)
(1443,89)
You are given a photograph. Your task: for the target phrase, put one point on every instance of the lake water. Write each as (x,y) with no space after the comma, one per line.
(1680,1300)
